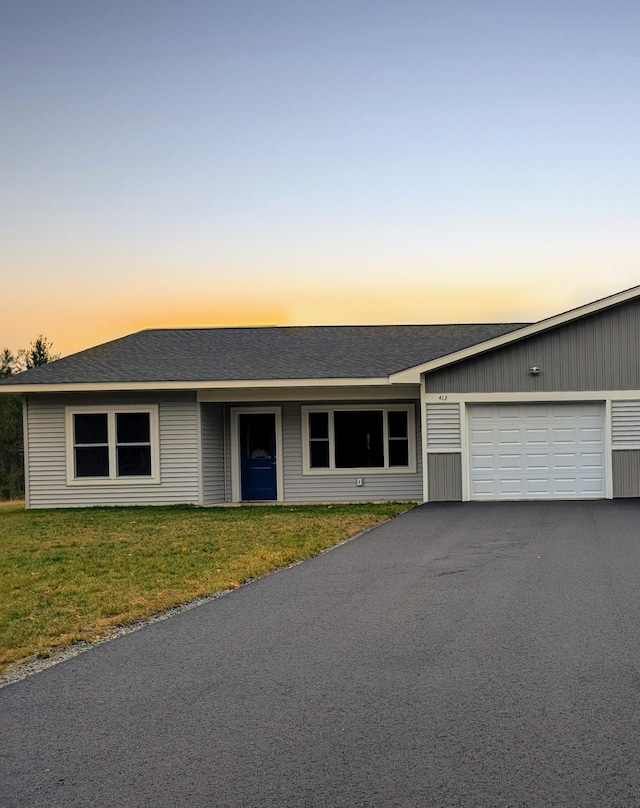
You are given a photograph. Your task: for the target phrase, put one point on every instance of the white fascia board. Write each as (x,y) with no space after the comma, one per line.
(530,397)
(412,375)
(120,387)
(361,393)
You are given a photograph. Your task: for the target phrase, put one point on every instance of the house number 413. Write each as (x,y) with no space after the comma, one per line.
(442,398)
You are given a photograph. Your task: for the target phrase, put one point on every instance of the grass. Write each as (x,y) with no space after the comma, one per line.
(72,575)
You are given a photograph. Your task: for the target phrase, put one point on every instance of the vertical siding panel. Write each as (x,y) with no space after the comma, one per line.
(581,355)
(445,477)
(626,473)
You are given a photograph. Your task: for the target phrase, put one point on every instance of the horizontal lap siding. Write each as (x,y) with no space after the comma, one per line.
(47,455)
(599,352)
(299,487)
(213,482)
(226,415)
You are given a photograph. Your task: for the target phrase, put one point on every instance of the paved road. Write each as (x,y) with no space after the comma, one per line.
(460,655)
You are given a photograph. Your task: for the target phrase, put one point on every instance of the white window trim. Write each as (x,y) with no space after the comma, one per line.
(342,472)
(236,482)
(567,398)
(110,411)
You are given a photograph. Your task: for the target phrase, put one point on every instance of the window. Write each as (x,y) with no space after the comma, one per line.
(358,437)
(319,439)
(133,444)
(112,444)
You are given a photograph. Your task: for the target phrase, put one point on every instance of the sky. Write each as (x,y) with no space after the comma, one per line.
(170,163)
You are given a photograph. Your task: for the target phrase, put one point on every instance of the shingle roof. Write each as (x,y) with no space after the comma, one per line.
(233,354)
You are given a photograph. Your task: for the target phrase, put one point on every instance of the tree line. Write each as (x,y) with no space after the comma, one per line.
(39,352)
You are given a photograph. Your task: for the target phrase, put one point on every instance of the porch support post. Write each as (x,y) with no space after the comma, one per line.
(423,438)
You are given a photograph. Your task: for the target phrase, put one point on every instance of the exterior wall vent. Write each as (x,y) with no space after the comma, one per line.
(625,423)
(443,426)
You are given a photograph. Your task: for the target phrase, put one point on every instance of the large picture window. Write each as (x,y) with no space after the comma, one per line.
(112,444)
(362,438)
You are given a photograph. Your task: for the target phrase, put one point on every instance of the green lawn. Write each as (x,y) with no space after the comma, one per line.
(70,575)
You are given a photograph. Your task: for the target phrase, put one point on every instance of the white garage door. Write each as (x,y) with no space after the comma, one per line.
(536,451)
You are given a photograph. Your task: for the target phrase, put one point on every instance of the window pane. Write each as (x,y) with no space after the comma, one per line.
(90,428)
(319,454)
(258,436)
(358,438)
(318,424)
(133,427)
(134,461)
(92,461)
(398,452)
(397,424)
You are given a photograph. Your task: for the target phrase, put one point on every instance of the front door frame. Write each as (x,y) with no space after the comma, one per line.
(236,479)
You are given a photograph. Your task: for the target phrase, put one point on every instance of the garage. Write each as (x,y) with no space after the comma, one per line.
(536,451)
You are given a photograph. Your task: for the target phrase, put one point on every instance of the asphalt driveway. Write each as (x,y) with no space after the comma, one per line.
(460,655)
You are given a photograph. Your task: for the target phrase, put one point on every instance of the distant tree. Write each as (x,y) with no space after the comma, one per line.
(8,364)
(11,448)
(39,353)
(11,438)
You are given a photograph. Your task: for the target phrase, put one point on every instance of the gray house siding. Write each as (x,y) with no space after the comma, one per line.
(444,468)
(626,473)
(213,458)
(444,477)
(299,487)
(625,431)
(584,354)
(47,462)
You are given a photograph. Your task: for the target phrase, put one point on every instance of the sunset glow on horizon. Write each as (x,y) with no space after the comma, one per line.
(181,164)
(72,331)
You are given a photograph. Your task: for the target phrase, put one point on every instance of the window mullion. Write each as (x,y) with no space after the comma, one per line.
(332,441)
(385,437)
(113,454)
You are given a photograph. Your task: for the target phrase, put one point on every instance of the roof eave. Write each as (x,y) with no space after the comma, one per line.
(412,375)
(239,384)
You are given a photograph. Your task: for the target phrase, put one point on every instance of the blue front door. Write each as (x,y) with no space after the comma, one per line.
(258,456)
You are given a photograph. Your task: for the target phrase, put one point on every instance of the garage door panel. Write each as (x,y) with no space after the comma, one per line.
(482,437)
(538,487)
(483,488)
(509,437)
(536,436)
(536,451)
(592,461)
(594,485)
(509,411)
(564,461)
(566,435)
(567,486)
(537,462)
(509,462)
(511,488)
(483,462)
